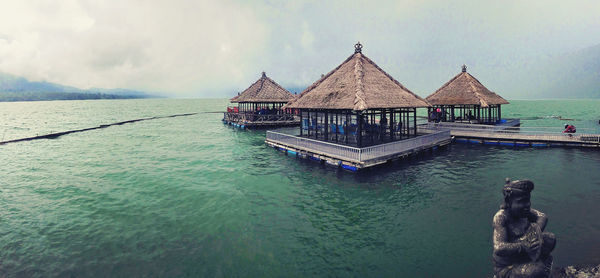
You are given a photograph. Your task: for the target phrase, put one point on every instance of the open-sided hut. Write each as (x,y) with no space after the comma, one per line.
(464,99)
(358,104)
(261,105)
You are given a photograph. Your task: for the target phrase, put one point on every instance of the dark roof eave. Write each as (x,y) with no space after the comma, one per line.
(465,103)
(352,108)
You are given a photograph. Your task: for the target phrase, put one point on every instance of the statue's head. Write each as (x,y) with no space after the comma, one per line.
(517,197)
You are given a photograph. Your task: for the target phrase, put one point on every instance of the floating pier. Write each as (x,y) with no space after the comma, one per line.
(512,136)
(354,158)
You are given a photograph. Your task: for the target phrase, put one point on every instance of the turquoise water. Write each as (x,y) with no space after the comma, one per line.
(191,197)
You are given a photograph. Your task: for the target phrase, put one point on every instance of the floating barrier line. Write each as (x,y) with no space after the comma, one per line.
(58,134)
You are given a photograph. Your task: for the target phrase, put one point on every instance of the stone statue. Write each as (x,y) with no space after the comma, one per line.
(521,247)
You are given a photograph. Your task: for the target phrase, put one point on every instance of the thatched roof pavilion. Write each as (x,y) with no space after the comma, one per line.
(357,84)
(357,91)
(263,93)
(260,105)
(464,98)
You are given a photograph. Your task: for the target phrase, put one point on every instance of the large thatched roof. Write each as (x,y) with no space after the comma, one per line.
(464,89)
(264,90)
(357,84)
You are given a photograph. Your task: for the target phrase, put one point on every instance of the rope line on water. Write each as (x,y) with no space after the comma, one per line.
(58,134)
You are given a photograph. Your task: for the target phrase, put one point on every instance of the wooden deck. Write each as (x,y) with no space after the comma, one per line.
(250,120)
(352,158)
(514,136)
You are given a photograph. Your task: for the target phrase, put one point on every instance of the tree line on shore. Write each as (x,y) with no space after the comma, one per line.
(41,96)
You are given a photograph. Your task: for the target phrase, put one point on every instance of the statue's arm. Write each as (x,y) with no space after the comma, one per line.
(538,217)
(502,247)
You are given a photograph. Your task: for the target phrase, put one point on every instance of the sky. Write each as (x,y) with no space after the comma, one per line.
(191,49)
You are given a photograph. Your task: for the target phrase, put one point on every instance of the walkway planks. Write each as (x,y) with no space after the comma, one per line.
(512,136)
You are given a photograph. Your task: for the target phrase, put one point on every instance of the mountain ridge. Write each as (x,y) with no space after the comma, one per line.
(17,88)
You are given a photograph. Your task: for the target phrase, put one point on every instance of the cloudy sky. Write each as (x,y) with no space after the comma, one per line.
(217,48)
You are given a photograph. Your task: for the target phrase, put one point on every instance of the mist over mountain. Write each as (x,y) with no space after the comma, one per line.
(15,88)
(570,75)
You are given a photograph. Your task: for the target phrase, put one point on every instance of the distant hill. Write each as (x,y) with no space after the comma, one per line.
(15,88)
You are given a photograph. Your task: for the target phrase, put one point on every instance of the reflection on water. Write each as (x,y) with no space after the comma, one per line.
(190,197)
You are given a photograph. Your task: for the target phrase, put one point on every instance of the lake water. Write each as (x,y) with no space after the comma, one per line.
(191,197)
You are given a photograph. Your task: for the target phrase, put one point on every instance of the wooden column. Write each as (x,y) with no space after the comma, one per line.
(407,121)
(309,122)
(301,127)
(391,125)
(371,123)
(337,128)
(429,119)
(499,112)
(346,131)
(415,120)
(380,126)
(326,126)
(359,131)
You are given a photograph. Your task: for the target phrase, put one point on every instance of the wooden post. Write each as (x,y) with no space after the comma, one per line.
(415,120)
(499,112)
(403,117)
(359,131)
(326,125)
(346,127)
(337,129)
(392,125)
(407,123)
(380,126)
(429,119)
(309,122)
(301,127)
(370,119)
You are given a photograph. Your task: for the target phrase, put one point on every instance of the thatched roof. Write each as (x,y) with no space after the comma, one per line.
(464,89)
(264,90)
(357,84)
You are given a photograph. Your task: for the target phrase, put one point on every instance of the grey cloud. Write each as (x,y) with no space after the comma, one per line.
(216,48)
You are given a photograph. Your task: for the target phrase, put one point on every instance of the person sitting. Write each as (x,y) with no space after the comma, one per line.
(432,116)
(521,247)
(569,129)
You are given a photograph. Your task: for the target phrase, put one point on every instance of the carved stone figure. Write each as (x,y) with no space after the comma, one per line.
(521,247)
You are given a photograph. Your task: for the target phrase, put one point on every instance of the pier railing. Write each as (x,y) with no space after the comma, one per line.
(382,150)
(357,154)
(243,117)
(510,133)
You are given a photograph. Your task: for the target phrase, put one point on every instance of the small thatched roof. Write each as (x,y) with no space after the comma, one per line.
(357,84)
(464,89)
(264,90)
